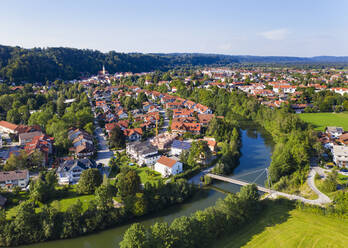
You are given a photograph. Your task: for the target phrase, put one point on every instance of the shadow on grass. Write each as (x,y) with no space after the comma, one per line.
(274,212)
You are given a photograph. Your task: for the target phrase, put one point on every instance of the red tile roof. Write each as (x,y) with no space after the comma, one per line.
(169,162)
(8,125)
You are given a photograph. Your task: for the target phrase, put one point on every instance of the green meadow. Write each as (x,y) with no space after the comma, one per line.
(322,120)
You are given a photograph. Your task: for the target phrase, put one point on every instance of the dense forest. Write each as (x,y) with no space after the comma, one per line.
(40,64)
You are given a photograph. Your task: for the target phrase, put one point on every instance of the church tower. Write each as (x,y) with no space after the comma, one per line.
(103,70)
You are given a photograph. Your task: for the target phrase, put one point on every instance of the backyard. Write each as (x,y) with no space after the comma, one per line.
(321,120)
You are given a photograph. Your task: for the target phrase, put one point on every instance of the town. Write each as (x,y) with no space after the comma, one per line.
(144,129)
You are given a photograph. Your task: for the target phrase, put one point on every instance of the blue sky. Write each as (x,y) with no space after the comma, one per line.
(241,27)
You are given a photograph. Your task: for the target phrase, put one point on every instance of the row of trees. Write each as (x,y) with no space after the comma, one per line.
(294,140)
(200,229)
(52,222)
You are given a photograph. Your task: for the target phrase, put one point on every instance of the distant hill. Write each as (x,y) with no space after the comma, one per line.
(40,64)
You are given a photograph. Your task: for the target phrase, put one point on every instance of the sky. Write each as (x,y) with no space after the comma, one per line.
(237,27)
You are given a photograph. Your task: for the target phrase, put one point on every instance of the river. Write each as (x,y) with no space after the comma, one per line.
(256,152)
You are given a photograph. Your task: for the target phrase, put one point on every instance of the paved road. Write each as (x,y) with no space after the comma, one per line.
(322,198)
(103,154)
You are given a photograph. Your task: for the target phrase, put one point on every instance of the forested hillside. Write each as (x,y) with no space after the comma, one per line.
(40,64)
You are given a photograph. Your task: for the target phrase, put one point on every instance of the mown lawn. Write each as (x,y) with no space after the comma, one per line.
(64,200)
(148,175)
(322,120)
(281,225)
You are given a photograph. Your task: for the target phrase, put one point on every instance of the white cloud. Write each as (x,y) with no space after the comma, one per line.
(276,34)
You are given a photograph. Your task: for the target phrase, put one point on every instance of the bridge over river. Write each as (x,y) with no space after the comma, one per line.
(322,199)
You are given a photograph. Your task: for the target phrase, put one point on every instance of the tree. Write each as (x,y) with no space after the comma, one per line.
(330,183)
(139,205)
(16,162)
(90,179)
(117,138)
(61,106)
(13,116)
(161,235)
(135,237)
(103,195)
(89,127)
(24,114)
(199,153)
(128,183)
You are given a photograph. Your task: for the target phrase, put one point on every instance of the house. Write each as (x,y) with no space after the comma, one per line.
(183,127)
(133,134)
(163,140)
(143,152)
(179,146)
(28,129)
(28,137)
(204,119)
(334,131)
(340,155)
(168,166)
(299,108)
(122,115)
(82,143)
(70,170)
(343,139)
(201,109)
(10,179)
(211,143)
(182,113)
(42,143)
(8,127)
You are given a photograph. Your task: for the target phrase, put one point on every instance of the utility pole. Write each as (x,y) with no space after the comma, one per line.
(269,180)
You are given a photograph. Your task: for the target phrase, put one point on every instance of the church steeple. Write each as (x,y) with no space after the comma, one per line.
(103,70)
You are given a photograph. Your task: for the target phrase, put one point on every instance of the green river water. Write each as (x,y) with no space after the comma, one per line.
(256,152)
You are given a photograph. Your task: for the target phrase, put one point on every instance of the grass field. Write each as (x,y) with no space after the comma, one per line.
(148,175)
(284,226)
(322,120)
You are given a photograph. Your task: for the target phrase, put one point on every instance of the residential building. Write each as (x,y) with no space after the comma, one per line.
(28,137)
(179,146)
(10,179)
(8,127)
(143,152)
(133,134)
(182,127)
(343,139)
(340,155)
(70,170)
(163,140)
(168,166)
(334,131)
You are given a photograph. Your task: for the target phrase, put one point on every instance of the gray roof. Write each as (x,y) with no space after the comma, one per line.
(13,175)
(334,129)
(143,147)
(84,163)
(29,135)
(181,145)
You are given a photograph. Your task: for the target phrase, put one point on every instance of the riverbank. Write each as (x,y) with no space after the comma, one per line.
(256,151)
